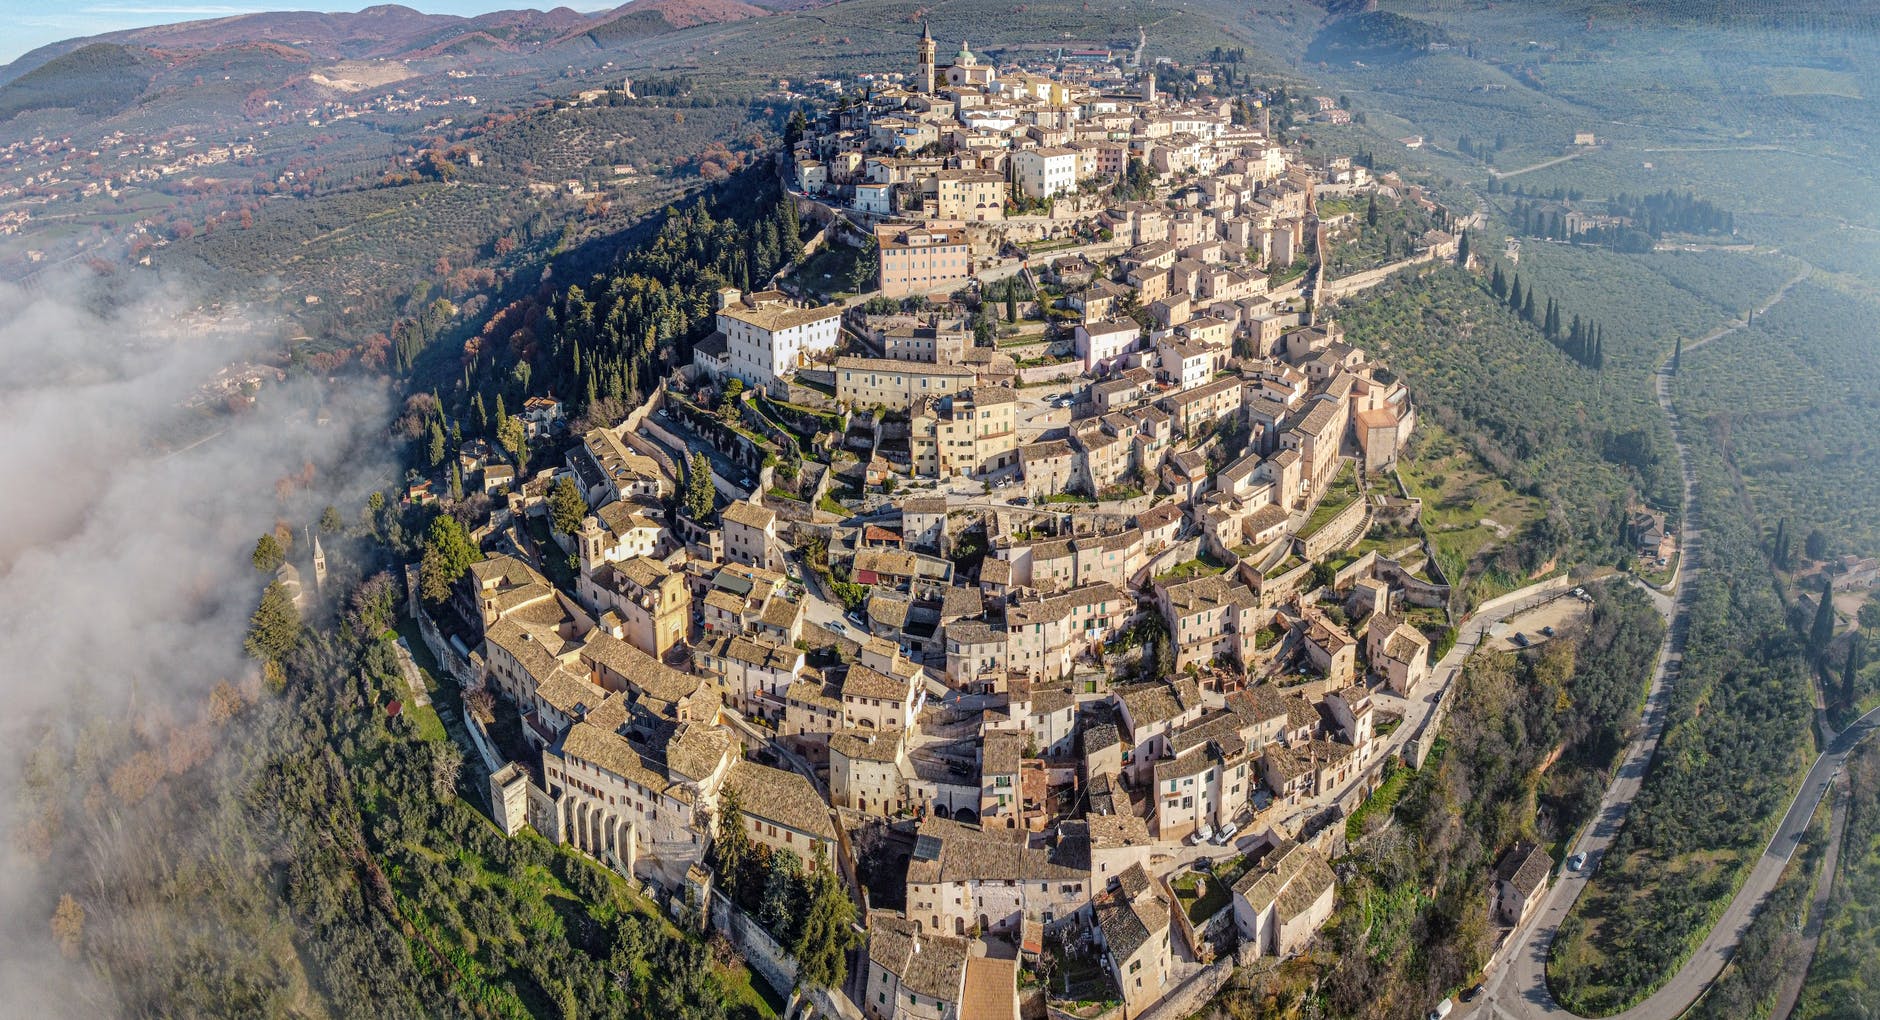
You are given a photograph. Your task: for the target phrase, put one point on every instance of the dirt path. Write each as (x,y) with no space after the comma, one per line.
(1544,164)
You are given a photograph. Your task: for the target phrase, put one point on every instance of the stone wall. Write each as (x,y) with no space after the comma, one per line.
(771,961)
(1357,282)
(1050,373)
(1189,997)
(1336,533)
(1180,552)
(493,759)
(763,953)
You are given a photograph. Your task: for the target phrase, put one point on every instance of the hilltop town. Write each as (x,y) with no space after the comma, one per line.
(1053,587)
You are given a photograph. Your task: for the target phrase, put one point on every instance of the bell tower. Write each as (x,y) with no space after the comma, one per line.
(926,59)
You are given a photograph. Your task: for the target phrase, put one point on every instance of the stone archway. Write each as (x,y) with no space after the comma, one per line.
(942,811)
(966,815)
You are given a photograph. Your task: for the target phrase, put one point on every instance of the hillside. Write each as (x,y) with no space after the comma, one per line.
(93,80)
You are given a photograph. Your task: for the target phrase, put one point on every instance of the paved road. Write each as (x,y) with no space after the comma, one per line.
(1817,913)
(1518,990)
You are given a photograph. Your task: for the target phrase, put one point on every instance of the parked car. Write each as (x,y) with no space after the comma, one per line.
(1021,500)
(859,620)
(1520,640)
(836,625)
(1226,833)
(1471,993)
(1203,834)
(1443,1009)
(1576,862)
(1549,631)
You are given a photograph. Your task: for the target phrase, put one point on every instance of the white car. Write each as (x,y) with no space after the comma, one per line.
(1576,862)
(1203,834)
(1226,835)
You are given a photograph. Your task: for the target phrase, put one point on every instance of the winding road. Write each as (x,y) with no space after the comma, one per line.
(1518,989)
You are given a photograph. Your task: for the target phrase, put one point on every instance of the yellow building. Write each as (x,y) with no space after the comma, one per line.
(895,385)
(923,261)
(973,432)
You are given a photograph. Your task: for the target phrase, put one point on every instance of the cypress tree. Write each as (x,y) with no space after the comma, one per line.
(1851,672)
(1821,634)
(1498,284)
(1514,293)
(1527,307)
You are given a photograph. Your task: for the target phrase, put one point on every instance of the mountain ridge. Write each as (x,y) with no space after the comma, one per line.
(393,31)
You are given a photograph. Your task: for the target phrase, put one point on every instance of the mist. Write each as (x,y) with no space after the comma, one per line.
(128,511)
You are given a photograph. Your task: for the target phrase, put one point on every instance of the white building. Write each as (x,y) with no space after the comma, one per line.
(1041,173)
(768,336)
(1101,345)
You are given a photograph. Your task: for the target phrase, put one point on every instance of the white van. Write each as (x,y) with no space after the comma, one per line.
(1203,833)
(1443,1009)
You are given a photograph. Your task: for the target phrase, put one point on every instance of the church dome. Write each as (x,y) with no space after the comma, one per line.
(965,57)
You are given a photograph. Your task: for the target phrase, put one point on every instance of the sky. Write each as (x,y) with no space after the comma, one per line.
(31,24)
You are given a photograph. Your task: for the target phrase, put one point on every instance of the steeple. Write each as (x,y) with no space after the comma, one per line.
(926,71)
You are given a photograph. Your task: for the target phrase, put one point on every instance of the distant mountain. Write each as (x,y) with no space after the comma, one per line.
(391,31)
(646,18)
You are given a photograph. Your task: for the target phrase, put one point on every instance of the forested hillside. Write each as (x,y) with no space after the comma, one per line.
(312,846)
(1733,743)
(97,79)
(1554,428)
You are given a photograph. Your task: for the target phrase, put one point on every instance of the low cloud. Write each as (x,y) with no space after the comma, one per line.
(127,512)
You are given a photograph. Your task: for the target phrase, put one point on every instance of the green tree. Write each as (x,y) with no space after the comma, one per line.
(448,552)
(434,447)
(867,269)
(728,403)
(1850,673)
(700,493)
(732,847)
(1816,545)
(823,941)
(275,625)
(514,438)
(566,508)
(1011,305)
(330,521)
(1370,212)
(781,909)
(268,554)
(1821,634)
(1869,615)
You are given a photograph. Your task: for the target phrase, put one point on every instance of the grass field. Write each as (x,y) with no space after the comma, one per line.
(1468,512)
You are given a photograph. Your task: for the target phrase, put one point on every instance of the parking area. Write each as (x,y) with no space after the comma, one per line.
(1538,625)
